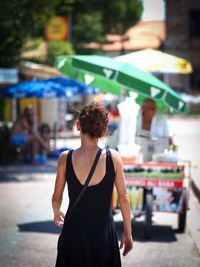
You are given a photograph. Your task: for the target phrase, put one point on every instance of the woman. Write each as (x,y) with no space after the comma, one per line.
(88,237)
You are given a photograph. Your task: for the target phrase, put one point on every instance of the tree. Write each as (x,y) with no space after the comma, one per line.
(57,48)
(120,15)
(19,21)
(92,20)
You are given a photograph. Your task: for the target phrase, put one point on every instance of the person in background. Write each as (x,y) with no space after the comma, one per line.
(152,134)
(154,127)
(151,128)
(150,123)
(113,118)
(88,236)
(24,132)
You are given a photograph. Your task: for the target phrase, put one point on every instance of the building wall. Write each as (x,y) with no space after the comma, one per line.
(49,111)
(183,38)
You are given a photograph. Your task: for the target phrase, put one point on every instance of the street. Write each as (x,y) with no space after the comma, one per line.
(28,237)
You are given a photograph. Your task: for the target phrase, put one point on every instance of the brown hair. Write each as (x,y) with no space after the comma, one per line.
(93,120)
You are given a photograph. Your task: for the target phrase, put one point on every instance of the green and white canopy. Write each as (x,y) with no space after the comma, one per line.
(110,75)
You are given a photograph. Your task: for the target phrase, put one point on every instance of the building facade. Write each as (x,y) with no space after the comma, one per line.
(183,40)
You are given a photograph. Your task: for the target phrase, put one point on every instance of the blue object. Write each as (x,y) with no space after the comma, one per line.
(55,154)
(19,139)
(41,159)
(47,88)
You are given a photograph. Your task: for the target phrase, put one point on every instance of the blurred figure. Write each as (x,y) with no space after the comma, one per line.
(152,134)
(113,117)
(150,123)
(152,130)
(45,133)
(24,132)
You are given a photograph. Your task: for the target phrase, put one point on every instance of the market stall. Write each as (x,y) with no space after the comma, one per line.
(166,185)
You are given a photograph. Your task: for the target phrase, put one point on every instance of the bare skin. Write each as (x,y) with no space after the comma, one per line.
(23,125)
(149,110)
(82,159)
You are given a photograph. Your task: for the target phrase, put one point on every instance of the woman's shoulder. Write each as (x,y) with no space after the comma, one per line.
(115,155)
(63,156)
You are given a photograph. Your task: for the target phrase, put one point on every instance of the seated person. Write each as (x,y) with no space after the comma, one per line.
(24,132)
(45,133)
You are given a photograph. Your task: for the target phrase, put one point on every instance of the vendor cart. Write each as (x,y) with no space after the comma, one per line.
(157,187)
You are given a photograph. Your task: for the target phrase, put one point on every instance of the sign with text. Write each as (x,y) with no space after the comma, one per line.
(151,183)
(57,29)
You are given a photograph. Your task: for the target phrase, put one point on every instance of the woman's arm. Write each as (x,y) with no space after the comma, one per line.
(25,125)
(58,190)
(126,239)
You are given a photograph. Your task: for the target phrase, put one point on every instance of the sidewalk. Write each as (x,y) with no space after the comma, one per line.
(24,172)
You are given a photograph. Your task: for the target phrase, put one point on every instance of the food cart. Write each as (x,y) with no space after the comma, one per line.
(156,178)
(157,187)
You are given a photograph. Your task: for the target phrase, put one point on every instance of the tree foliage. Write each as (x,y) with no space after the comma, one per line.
(57,48)
(91,20)
(19,21)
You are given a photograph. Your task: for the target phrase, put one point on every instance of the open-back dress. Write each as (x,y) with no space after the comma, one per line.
(88,237)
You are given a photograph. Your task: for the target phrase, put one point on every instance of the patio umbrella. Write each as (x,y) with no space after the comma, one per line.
(47,88)
(110,75)
(151,60)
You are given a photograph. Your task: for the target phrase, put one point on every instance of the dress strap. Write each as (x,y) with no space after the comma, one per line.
(109,162)
(68,161)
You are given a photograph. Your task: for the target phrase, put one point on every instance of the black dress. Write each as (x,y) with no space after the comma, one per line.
(88,237)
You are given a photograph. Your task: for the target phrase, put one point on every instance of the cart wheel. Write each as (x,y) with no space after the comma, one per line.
(148,214)
(183,214)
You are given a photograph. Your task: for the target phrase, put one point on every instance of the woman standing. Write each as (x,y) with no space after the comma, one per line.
(88,237)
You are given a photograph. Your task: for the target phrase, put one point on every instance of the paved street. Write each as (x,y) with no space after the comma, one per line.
(28,237)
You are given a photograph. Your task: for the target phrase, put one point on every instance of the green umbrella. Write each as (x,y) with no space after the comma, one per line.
(112,76)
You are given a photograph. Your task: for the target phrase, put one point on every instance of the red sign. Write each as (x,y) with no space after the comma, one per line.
(154,183)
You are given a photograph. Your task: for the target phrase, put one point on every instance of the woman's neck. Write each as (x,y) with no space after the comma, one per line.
(89,143)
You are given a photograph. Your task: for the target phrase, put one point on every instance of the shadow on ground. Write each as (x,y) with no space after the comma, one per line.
(26,172)
(39,227)
(160,233)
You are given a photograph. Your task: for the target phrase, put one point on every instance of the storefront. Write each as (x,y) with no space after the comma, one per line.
(8,76)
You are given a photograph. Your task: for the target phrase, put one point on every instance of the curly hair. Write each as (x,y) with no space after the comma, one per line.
(93,120)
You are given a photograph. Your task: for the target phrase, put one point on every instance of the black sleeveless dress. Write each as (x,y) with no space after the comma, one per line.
(88,237)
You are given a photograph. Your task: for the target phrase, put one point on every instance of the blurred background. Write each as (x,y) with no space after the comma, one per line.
(160,37)
(42,31)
